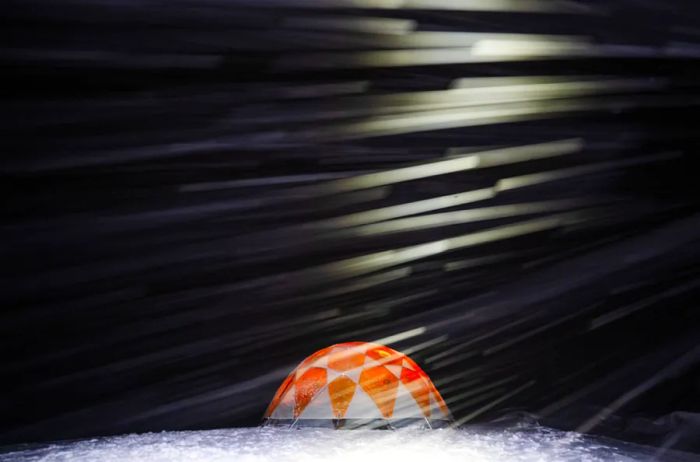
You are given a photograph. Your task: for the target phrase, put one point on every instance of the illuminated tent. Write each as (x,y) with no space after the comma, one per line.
(357,384)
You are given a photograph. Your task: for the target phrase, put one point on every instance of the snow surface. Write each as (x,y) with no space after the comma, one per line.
(313,444)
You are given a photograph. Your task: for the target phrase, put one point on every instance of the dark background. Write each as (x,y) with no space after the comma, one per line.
(170,171)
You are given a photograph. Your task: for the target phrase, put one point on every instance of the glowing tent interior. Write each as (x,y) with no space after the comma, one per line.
(357,384)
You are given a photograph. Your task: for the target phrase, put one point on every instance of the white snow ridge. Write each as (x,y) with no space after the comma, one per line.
(321,445)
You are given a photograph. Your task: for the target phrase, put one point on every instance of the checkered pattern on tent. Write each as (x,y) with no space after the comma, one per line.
(357,380)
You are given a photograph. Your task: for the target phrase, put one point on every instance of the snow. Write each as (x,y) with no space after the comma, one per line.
(312,444)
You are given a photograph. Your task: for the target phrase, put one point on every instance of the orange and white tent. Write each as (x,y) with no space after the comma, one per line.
(357,384)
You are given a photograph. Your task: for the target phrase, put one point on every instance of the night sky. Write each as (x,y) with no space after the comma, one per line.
(197,195)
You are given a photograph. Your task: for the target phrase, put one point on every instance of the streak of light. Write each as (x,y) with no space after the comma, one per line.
(478,82)
(375,25)
(484,51)
(522,181)
(513,6)
(487,115)
(443,167)
(410,208)
(424,345)
(200,348)
(110,59)
(316,327)
(462,384)
(581,392)
(366,282)
(470,392)
(243,386)
(493,404)
(620,313)
(465,96)
(372,262)
(51,113)
(439,40)
(138,220)
(385,306)
(521,6)
(689,359)
(455,358)
(479,261)
(273,330)
(668,443)
(465,216)
(397,58)
(390,40)
(573,251)
(581,271)
(396,338)
(143,329)
(267,181)
(522,89)
(450,353)
(524,48)
(533,332)
(470,403)
(475,371)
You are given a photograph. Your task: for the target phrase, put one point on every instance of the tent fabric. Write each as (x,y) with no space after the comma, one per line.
(357,381)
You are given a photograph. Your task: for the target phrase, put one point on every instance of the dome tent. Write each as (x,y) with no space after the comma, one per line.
(357,384)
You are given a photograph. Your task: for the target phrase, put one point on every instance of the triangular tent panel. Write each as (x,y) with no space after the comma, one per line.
(406,406)
(362,407)
(318,406)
